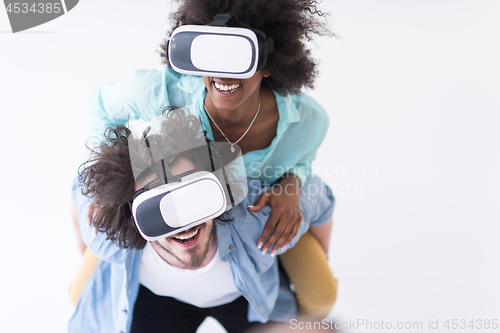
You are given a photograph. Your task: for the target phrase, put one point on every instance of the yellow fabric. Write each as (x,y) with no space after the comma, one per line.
(307,267)
(86,269)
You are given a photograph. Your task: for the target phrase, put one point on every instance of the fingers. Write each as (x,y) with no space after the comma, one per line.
(288,235)
(90,213)
(285,230)
(264,199)
(268,229)
(285,222)
(279,232)
(79,240)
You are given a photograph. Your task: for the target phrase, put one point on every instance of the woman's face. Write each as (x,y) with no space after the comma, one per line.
(230,94)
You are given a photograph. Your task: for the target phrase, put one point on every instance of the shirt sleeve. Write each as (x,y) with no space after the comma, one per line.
(141,95)
(307,125)
(303,169)
(97,243)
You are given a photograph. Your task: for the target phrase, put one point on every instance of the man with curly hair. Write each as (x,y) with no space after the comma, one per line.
(174,283)
(278,128)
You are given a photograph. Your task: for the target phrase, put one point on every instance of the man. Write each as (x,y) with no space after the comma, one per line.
(172,283)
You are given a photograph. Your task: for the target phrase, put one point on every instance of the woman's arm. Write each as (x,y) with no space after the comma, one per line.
(301,138)
(141,95)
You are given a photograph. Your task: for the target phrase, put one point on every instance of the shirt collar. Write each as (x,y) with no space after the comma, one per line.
(287,108)
(224,240)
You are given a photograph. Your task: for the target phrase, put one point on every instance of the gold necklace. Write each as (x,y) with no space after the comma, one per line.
(233,143)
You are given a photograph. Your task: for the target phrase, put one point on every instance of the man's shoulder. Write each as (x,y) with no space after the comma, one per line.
(241,213)
(255,189)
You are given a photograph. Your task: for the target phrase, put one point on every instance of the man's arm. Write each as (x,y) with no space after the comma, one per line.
(96,242)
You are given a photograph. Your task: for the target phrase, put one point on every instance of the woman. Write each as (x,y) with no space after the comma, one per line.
(278,128)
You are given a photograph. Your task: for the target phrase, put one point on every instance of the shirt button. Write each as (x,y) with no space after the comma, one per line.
(231,247)
(124,311)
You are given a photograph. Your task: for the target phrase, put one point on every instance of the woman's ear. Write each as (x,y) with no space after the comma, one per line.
(266,73)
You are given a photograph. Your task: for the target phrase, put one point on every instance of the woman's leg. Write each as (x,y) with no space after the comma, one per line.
(88,264)
(79,240)
(86,268)
(307,267)
(322,234)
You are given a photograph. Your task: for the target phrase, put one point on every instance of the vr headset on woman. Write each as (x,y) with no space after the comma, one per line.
(217,50)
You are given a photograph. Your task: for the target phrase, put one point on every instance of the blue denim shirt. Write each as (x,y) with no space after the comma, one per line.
(108,298)
(301,129)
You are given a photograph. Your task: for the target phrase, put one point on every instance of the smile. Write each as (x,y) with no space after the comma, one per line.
(226,88)
(187,237)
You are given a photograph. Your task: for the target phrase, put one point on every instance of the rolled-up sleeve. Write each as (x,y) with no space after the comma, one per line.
(97,243)
(141,95)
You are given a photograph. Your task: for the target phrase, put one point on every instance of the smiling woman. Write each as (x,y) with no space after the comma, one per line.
(290,23)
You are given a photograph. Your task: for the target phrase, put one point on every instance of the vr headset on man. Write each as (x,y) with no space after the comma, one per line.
(217,50)
(168,204)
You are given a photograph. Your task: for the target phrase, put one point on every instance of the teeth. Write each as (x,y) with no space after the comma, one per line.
(225,87)
(189,235)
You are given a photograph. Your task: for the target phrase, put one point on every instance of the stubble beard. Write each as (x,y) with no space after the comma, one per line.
(196,259)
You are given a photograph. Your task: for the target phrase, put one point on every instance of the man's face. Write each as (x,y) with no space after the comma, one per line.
(188,249)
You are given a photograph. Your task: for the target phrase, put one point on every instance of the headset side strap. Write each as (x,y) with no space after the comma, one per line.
(221,19)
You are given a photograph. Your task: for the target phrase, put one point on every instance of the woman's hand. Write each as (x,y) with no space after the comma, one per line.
(285,214)
(90,213)
(90,216)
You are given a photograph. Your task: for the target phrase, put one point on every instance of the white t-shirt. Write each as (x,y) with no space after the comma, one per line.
(209,286)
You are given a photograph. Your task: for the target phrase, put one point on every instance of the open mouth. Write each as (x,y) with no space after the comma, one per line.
(226,88)
(187,237)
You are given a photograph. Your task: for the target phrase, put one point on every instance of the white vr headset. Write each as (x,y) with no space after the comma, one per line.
(174,207)
(218,51)
(214,182)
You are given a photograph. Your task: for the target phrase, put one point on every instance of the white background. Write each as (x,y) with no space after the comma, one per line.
(413,93)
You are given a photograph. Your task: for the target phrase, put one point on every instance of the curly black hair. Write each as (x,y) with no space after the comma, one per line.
(108,175)
(291,23)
